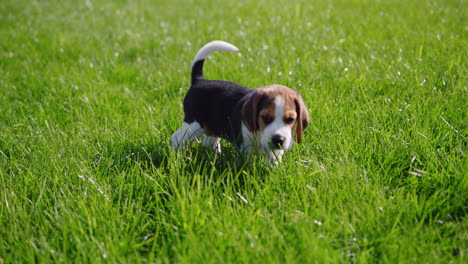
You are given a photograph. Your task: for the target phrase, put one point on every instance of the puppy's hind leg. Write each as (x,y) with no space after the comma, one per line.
(186,133)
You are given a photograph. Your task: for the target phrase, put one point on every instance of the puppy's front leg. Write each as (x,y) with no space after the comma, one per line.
(275,157)
(214,143)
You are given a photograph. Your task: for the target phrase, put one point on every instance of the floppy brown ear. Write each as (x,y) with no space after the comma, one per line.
(249,110)
(302,117)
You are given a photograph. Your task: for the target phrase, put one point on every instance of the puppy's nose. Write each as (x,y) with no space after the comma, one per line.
(277,141)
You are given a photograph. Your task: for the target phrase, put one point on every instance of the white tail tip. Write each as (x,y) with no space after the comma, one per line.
(212,47)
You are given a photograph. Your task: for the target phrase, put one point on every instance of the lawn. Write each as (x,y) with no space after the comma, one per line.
(91,91)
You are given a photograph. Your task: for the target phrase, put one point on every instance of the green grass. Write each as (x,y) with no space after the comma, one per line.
(90,92)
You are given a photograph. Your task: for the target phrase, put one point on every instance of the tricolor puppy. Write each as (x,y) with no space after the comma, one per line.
(262,119)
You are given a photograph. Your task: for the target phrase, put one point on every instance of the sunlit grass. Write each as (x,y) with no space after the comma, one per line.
(90,92)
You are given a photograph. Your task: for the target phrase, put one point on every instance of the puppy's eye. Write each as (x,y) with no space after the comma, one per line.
(267,120)
(289,120)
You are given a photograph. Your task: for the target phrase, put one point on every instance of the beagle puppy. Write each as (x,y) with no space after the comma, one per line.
(255,120)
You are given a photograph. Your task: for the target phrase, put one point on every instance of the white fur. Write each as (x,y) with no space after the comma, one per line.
(212,47)
(277,127)
(213,142)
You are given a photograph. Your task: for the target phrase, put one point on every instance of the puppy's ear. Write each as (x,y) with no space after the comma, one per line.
(249,112)
(302,117)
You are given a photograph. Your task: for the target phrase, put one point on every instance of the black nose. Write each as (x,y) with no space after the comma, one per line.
(277,141)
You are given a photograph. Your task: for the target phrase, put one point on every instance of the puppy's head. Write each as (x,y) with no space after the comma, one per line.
(275,112)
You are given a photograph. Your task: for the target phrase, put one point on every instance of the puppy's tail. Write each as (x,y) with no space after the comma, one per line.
(197,66)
